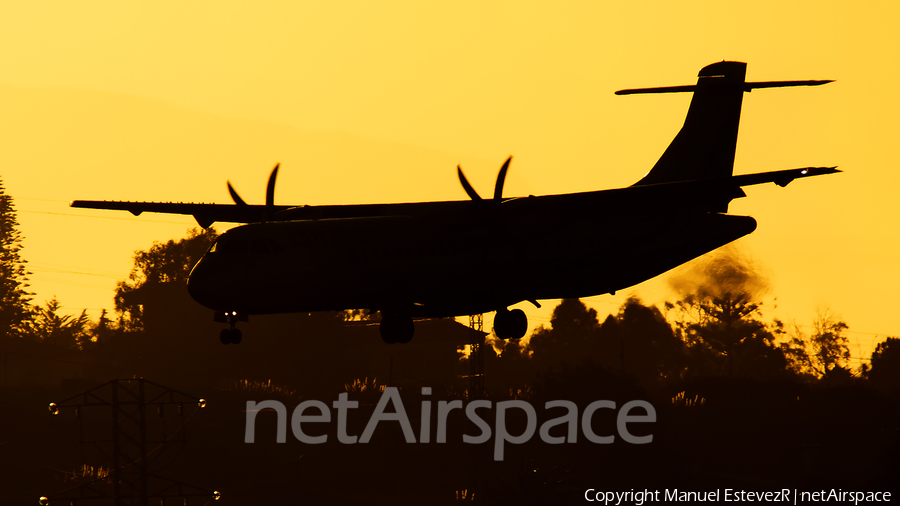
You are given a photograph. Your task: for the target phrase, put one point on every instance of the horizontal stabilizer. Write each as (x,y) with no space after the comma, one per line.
(779,177)
(718,192)
(707,194)
(744,86)
(785,84)
(782,177)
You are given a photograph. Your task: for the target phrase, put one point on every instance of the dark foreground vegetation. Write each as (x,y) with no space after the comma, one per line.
(741,402)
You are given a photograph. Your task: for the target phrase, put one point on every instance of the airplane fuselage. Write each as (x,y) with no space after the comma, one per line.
(450,266)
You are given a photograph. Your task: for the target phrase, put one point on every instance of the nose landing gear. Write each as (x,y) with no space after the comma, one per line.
(231,335)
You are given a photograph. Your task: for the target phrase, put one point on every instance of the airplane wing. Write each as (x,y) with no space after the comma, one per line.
(717,192)
(205,214)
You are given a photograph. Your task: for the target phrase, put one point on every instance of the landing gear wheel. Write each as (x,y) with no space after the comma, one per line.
(236,336)
(519,324)
(510,324)
(396,329)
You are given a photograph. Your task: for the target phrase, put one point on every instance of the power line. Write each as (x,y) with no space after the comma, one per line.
(50,270)
(73,283)
(41,200)
(876,334)
(132,220)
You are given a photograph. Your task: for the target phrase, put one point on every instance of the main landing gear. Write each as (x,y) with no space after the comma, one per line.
(396,328)
(231,335)
(510,324)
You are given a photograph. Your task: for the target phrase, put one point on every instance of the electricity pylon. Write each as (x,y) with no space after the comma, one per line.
(130,481)
(476,357)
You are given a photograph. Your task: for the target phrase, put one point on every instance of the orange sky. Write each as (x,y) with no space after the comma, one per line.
(378,102)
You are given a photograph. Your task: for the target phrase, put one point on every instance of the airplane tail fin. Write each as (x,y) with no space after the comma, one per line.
(704,148)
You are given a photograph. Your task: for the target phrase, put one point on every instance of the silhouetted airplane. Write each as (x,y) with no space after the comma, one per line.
(420,259)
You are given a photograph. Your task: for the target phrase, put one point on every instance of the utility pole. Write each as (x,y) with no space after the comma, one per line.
(476,357)
(131,481)
(478,453)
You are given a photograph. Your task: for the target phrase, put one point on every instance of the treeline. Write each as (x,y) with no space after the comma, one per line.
(156,273)
(697,338)
(715,329)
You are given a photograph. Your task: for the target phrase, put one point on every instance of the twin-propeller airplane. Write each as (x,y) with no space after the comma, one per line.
(415,259)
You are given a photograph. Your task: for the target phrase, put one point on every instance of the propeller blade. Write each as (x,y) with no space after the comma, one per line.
(501,177)
(270,188)
(234,196)
(466,186)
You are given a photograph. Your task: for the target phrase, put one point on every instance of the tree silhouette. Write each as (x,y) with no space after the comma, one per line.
(825,351)
(15,300)
(719,317)
(572,326)
(104,329)
(830,345)
(640,342)
(155,273)
(886,363)
(69,331)
(726,336)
